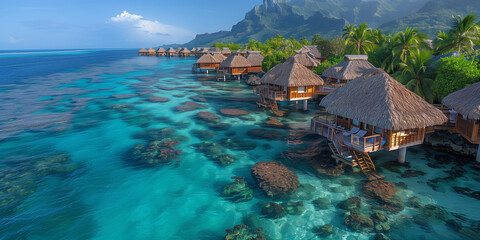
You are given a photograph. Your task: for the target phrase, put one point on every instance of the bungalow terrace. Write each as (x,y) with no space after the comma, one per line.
(352,66)
(371,113)
(184,52)
(466,116)
(226,52)
(208,62)
(171,52)
(234,66)
(288,81)
(256,59)
(161,52)
(143,52)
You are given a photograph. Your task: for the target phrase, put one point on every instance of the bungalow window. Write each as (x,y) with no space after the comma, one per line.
(301,89)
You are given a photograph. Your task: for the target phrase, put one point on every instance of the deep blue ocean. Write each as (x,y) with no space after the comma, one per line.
(79,129)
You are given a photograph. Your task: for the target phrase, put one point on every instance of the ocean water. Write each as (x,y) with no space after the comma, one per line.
(69,121)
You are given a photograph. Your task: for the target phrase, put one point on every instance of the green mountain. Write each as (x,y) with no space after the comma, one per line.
(299,18)
(435,15)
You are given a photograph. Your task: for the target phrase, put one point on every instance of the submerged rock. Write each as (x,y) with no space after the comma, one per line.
(215,152)
(380,236)
(189,106)
(233,112)
(467,192)
(359,222)
(305,192)
(224,159)
(273,210)
(158,99)
(238,191)
(324,231)
(414,202)
(155,153)
(208,116)
(241,232)
(274,178)
(264,134)
(203,134)
(412,173)
(253,80)
(322,203)
(351,203)
(155,134)
(197,98)
(347,182)
(238,144)
(380,190)
(432,211)
(294,208)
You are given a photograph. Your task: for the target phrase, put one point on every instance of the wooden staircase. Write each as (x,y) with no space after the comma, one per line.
(269,103)
(355,158)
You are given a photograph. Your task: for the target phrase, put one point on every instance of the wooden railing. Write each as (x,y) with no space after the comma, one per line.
(398,140)
(270,94)
(295,95)
(328,88)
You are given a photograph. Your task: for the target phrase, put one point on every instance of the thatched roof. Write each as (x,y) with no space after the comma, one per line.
(465,101)
(351,67)
(219,57)
(291,74)
(143,50)
(377,99)
(305,59)
(235,61)
(193,50)
(185,50)
(171,50)
(161,50)
(255,58)
(151,50)
(214,50)
(208,59)
(312,49)
(226,50)
(204,50)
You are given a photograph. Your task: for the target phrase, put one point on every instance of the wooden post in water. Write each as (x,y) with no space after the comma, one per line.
(305,105)
(402,152)
(478,154)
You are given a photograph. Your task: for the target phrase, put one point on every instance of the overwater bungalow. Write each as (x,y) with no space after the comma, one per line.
(244,52)
(214,50)
(234,66)
(152,52)
(207,63)
(193,52)
(371,113)
(161,52)
(313,50)
(226,52)
(466,104)
(184,52)
(306,59)
(288,81)
(256,59)
(143,52)
(171,52)
(352,66)
(202,52)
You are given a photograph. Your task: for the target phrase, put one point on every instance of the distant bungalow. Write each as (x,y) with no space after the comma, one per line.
(202,52)
(234,66)
(184,52)
(193,52)
(161,52)
(214,50)
(306,60)
(143,52)
(256,59)
(208,62)
(243,52)
(466,103)
(171,52)
(152,52)
(226,52)
(313,51)
(371,113)
(352,66)
(288,81)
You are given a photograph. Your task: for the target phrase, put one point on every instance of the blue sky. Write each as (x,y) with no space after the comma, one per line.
(72,24)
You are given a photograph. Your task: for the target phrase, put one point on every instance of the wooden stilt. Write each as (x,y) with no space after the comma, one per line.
(305,105)
(478,154)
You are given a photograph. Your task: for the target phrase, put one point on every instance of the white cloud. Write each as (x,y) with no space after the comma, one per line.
(152,30)
(12,40)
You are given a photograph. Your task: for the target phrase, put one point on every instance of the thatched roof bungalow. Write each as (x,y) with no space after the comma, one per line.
(466,104)
(226,52)
(305,59)
(351,67)
(375,112)
(208,62)
(171,52)
(152,52)
(214,50)
(256,59)
(313,50)
(143,52)
(202,52)
(234,65)
(161,51)
(184,52)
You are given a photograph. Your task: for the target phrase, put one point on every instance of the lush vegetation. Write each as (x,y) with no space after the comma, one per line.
(408,55)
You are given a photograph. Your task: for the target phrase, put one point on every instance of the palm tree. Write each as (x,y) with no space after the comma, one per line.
(414,74)
(348,30)
(359,41)
(404,44)
(462,37)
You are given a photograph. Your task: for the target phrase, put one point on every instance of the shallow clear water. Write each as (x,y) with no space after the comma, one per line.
(92,109)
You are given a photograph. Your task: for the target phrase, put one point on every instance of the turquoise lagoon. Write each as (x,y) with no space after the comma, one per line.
(89,115)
